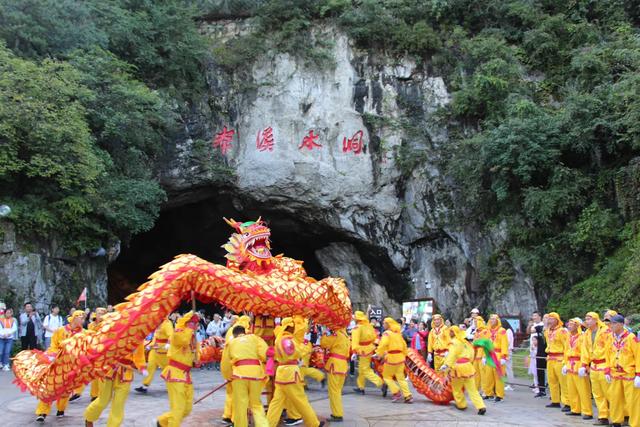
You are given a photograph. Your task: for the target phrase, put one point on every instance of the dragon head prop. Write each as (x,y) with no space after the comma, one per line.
(250,245)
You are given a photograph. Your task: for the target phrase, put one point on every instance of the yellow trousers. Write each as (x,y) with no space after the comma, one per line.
(579,393)
(292,412)
(180,404)
(156,360)
(335,383)
(112,391)
(622,395)
(314,373)
(228,402)
(45,408)
(95,388)
(477,365)
(459,385)
(366,373)
(391,372)
(306,371)
(600,390)
(634,408)
(294,395)
(557,382)
(438,361)
(492,383)
(246,395)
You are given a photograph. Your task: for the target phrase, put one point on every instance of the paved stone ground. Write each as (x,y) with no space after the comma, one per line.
(518,409)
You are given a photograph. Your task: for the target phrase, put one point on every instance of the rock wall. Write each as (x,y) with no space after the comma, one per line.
(39,271)
(381,207)
(390,196)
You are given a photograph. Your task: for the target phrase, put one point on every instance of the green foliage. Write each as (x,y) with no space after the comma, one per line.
(87,113)
(615,285)
(159,38)
(48,28)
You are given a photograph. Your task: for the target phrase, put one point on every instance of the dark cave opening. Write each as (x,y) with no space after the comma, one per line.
(198,228)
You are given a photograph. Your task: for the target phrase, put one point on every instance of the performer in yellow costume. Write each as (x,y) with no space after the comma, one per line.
(227,415)
(264,326)
(242,363)
(338,346)
(394,350)
(75,325)
(557,339)
(158,353)
(93,326)
(288,380)
(621,374)
(492,381)
(596,341)
(578,387)
(459,362)
(182,355)
(481,332)
(363,338)
(115,389)
(438,342)
(301,326)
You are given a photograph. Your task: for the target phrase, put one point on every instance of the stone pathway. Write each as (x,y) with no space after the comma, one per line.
(519,408)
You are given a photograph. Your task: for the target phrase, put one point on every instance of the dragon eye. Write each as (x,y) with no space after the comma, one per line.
(246,234)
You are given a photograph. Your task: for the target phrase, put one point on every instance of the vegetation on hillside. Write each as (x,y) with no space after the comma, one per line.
(90,94)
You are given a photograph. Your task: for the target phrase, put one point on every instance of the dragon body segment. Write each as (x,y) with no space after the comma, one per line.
(253,280)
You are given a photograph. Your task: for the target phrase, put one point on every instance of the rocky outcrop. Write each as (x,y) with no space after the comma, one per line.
(39,271)
(345,157)
(383,201)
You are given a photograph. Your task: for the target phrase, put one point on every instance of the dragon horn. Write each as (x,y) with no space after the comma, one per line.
(259,220)
(233,223)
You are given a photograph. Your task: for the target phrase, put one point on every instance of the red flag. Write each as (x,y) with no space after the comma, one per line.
(82,297)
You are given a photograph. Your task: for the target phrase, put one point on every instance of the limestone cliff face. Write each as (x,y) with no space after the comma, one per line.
(376,214)
(39,271)
(383,203)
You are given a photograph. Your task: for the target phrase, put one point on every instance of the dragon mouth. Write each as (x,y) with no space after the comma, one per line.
(259,246)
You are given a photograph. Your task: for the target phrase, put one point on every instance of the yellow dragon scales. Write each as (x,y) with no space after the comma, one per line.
(253,280)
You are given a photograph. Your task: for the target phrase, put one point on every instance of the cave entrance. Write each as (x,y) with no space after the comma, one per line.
(198,228)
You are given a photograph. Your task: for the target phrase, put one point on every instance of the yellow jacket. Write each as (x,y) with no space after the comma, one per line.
(498,336)
(621,356)
(123,370)
(263,326)
(573,355)
(363,338)
(557,342)
(481,332)
(287,353)
(58,336)
(595,347)
(392,346)
(461,355)
(439,340)
(182,354)
(243,357)
(339,347)
(161,337)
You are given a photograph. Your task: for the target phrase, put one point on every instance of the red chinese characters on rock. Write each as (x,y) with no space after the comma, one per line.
(354,143)
(264,139)
(223,140)
(309,141)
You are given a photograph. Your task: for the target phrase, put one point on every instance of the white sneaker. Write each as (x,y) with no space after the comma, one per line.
(508,388)
(6,368)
